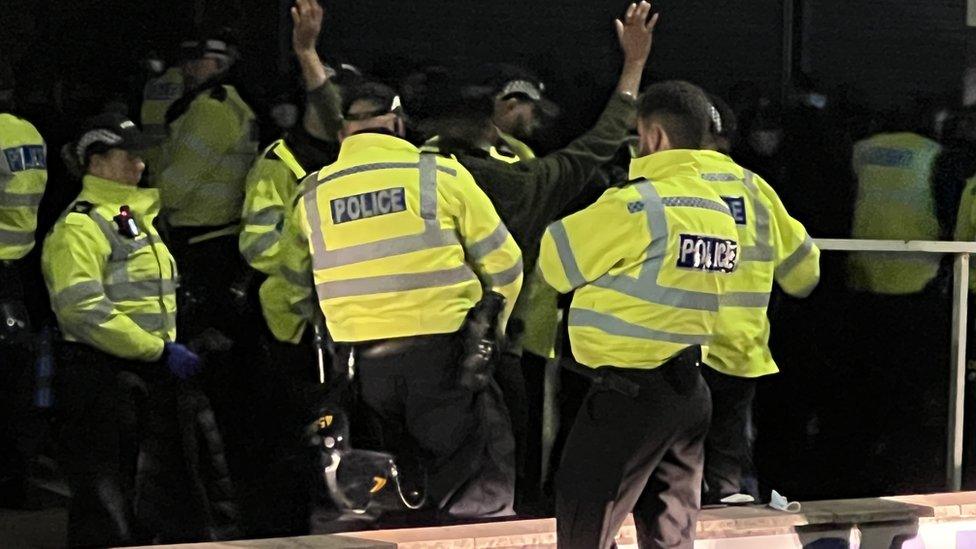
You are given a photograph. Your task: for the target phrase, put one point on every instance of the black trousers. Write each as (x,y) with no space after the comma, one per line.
(728,447)
(460,439)
(124,453)
(642,453)
(16,367)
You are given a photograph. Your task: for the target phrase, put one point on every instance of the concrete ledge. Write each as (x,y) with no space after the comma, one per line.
(861,519)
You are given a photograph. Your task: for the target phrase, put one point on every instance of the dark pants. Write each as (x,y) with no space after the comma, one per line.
(422,416)
(728,447)
(123,446)
(529,492)
(16,367)
(642,453)
(508,375)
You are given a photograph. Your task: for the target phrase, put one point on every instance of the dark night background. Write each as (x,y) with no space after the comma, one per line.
(866,54)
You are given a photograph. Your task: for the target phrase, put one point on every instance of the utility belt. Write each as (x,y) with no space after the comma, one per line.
(383,348)
(188,236)
(627,381)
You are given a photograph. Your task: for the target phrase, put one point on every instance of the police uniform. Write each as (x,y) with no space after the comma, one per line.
(775,247)
(400,246)
(23,177)
(894,202)
(157,96)
(648,262)
(112,283)
(206,158)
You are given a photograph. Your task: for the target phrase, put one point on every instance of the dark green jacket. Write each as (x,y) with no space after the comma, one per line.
(528,195)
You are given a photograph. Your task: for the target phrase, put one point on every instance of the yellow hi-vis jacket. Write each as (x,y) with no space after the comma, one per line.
(206,159)
(649,262)
(522,151)
(269,195)
(157,96)
(965,230)
(400,244)
(774,246)
(894,202)
(109,290)
(23,177)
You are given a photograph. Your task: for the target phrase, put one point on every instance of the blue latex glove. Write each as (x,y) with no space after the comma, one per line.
(182,362)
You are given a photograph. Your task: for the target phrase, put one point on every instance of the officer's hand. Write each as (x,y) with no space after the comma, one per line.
(182,362)
(636,33)
(307,18)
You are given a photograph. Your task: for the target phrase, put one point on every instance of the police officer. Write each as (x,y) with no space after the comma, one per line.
(775,247)
(648,262)
(205,159)
(164,87)
(403,245)
(112,283)
(23,177)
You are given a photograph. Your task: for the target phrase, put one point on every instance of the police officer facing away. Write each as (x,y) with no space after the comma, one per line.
(112,283)
(649,262)
(403,245)
(775,247)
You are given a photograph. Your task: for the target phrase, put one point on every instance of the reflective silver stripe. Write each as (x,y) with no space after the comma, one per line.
(428,186)
(695,202)
(615,326)
(153,322)
(745,299)
(719,177)
(303,279)
(432,237)
(490,243)
(762,250)
(317,237)
(143,289)
(11,200)
(16,238)
(271,216)
(378,166)
(507,276)
(794,259)
(645,287)
(566,257)
(77,292)
(260,245)
(395,283)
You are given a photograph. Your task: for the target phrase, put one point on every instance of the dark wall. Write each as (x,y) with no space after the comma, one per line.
(570,44)
(890,50)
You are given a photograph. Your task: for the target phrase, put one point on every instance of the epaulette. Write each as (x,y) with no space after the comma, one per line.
(82,207)
(219,93)
(628,182)
(270,155)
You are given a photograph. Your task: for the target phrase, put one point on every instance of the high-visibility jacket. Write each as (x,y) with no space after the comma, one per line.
(114,292)
(23,177)
(269,195)
(965,230)
(774,247)
(400,244)
(649,262)
(894,202)
(206,159)
(157,96)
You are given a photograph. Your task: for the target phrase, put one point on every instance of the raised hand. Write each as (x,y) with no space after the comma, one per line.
(307,18)
(636,33)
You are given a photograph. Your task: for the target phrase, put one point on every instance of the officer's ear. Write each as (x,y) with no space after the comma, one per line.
(652,137)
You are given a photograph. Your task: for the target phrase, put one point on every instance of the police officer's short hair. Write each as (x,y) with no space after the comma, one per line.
(378,95)
(681,108)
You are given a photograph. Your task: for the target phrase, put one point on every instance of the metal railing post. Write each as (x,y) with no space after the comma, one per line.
(957,381)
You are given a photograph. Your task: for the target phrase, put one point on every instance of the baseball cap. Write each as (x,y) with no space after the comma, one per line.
(208,48)
(380,94)
(109,131)
(510,82)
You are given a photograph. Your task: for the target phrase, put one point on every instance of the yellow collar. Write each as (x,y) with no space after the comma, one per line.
(112,194)
(355,143)
(669,163)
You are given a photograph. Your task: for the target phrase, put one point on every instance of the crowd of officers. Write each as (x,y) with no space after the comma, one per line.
(344,255)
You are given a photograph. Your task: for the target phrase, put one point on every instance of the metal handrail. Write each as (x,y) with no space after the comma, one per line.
(957,356)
